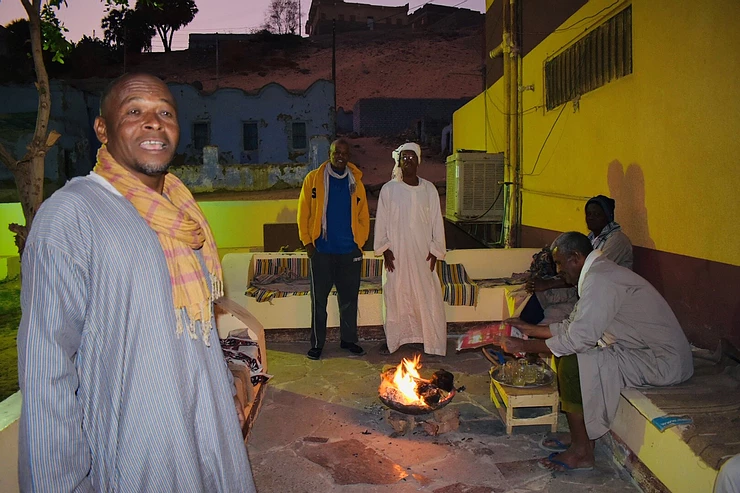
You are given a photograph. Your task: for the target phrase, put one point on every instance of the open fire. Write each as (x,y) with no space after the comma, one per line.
(403,389)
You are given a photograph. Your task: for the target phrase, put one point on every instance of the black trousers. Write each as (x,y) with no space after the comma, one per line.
(342,271)
(532,312)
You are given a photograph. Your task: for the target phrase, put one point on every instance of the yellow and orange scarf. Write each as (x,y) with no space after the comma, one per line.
(182,229)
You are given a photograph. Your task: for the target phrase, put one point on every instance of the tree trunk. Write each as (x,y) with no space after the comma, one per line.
(29,179)
(29,171)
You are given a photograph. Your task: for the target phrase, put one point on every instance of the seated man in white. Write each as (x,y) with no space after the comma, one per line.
(621,333)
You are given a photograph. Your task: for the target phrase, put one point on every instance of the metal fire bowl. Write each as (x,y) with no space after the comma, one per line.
(415,409)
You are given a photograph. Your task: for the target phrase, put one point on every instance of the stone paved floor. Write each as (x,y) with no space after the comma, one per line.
(322,428)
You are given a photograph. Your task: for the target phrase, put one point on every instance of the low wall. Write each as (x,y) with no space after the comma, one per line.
(237,225)
(212,176)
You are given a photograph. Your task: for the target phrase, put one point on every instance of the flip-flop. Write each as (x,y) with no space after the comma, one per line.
(558,447)
(566,467)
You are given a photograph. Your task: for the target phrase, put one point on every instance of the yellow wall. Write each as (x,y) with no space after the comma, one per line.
(663,141)
(469,125)
(235,224)
(238,224)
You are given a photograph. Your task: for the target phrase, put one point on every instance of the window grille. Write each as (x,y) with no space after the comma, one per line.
(299,136)
(603,55)
(250,135)
(201,135)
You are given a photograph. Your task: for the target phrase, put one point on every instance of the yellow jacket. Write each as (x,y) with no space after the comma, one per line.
(311,207)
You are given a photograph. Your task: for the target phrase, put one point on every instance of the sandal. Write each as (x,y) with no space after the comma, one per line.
(564,467)
(552,444)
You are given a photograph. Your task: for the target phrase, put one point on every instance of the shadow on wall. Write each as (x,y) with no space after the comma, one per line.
(287,216)
(627,188)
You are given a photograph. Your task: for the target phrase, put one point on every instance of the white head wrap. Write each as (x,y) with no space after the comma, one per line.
(408,146)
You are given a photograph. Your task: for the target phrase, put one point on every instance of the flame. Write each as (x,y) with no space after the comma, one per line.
(404,381)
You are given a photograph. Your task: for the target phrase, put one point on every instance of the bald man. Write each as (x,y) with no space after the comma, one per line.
(124,384)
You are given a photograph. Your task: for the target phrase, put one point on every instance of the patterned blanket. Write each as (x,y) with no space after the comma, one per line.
(284,277)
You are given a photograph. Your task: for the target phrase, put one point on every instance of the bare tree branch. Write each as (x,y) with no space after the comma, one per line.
(7,159)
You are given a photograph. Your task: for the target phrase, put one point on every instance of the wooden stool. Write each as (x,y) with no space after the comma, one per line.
(507,399)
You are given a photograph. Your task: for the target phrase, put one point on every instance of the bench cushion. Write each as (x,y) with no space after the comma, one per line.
(289,276)
(458,288)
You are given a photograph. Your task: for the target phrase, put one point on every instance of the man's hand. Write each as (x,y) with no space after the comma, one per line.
(239,413)
(512,345)
(432,261)
(530,330)
(535,284)
(388,259)
(515,321)
(310,250)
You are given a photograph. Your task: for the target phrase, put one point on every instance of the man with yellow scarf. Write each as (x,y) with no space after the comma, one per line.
(124,384)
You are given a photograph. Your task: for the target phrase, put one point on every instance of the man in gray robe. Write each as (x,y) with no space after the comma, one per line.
(622,333)
(124,389)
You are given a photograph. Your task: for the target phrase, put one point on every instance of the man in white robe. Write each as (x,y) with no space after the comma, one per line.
(623,334)
(409,233)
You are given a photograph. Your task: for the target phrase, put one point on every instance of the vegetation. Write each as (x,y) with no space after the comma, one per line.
(46,34)
(10,318)
(282,17)
(126,29)
(167,17)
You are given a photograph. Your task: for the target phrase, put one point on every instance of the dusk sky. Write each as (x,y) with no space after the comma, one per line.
(223,16)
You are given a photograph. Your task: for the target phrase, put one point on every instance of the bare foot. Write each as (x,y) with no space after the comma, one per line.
(555,442)
(570,460)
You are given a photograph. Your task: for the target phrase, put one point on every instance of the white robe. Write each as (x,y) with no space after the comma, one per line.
(640,341)
(409,223)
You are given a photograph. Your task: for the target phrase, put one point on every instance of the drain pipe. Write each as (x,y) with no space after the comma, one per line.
(510,55)
(514,133)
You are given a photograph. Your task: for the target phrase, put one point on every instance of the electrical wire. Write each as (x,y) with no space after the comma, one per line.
(531,173)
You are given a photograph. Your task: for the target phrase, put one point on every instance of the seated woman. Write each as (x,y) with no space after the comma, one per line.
(553,299)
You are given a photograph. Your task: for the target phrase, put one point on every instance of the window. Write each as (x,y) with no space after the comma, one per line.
(370,23)
(250,136)
(352,18)
(603,55)
(299,136)
(201,135)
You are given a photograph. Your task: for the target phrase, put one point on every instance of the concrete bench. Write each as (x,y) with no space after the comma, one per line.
(295,311)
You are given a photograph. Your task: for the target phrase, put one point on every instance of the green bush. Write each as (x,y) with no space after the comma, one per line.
(10,318)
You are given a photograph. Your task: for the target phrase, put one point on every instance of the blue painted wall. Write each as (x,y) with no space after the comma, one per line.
(273,108)
(72,114)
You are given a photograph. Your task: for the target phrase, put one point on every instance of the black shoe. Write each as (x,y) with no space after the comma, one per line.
(352,348)
(314,353)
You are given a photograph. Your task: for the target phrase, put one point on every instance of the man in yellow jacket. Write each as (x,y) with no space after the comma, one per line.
(334,223)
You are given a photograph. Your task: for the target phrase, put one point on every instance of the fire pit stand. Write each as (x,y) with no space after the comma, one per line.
(435,423)
(426,408)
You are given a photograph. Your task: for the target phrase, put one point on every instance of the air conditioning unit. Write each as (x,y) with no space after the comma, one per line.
(473,183)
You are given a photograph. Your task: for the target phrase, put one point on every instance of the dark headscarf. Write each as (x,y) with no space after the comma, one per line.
(606,204)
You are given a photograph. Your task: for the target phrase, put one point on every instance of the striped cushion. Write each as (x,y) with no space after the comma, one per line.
(458,289)
(372,269)
(297,266)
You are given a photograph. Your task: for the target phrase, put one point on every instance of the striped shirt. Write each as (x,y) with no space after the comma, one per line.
(614,243)
(113,399)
